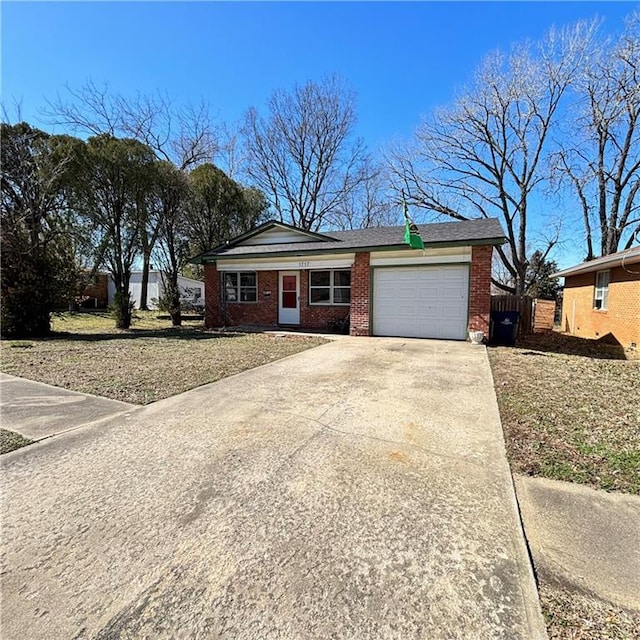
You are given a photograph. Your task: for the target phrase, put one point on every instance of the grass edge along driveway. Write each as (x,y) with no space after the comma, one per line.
(149,362)
(570,410)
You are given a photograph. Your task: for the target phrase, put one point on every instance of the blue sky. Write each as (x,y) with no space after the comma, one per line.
(401,58)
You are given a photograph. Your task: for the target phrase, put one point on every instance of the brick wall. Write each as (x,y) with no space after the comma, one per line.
(480,289)
(264,312)
(622,316)
(360,284)
(318,316)
(98,289)
(212,315)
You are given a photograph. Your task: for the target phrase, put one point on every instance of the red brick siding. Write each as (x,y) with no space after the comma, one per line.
(480,288)
(622,316)
(360,284)
(98,289)
(212,315)
(318,316)
(264,312)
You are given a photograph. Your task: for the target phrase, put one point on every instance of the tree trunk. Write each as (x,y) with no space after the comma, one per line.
(176,315)
(144,284)
(174,300)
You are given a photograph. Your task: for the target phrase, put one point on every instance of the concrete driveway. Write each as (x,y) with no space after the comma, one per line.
(37,411)
(356,490)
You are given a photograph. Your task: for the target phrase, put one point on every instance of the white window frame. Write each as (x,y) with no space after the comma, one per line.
(332,287)
(238,287)
(601,290)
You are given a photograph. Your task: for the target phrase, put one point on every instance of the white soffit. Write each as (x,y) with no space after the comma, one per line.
(282,264)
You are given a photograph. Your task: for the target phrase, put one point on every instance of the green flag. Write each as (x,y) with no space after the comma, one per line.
(411,232)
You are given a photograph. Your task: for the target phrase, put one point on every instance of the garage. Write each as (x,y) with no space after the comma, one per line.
(421,301)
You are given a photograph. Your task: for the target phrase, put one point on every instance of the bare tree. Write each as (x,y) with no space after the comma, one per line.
(302,155)
(485,156)
(600,156)
(184,136)
(370,204)
(231,153)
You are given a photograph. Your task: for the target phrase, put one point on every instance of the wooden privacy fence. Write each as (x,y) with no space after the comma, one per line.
(544,312)
(535,314)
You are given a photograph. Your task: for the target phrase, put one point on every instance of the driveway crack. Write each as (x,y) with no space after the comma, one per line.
(365,436)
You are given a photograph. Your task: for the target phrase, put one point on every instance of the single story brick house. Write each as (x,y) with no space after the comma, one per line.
(279,275)
(602,297)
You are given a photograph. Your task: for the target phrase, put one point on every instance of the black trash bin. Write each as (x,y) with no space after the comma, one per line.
(504,327)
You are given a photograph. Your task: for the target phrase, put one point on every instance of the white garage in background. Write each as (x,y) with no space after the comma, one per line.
(421,301)
(191,291)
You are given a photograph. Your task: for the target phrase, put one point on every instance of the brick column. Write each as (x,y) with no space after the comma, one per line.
(480,289)
(360,281)
(212,313)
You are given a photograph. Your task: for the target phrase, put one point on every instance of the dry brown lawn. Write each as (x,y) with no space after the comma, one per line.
(570,409)
(147,363)
(10,441)
(571,615)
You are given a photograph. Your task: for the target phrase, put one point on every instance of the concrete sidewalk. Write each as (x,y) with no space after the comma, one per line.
(358,490)
(37,410)
(585,538)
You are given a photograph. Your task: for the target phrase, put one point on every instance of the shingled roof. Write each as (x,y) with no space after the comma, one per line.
(465,232)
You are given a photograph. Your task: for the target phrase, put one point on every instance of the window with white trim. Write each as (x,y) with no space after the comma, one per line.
(601,293)
(331,286)
(240,286)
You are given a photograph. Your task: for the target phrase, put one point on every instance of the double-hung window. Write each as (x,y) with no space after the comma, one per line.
(330,287)
(240,286)
(601,293)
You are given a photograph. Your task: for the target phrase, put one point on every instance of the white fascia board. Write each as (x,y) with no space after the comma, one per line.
(343,261)
(601,264)
(418,256)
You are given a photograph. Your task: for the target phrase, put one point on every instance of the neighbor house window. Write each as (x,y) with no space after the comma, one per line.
(240,286)
(330,287)
(601,294)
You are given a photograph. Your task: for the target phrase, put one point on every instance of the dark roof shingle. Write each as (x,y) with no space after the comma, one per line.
(461,233)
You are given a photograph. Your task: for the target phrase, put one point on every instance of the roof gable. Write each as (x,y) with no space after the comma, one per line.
(275,232)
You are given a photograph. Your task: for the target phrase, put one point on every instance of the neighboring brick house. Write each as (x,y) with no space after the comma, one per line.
(96,292)
(278,275)
(602,297)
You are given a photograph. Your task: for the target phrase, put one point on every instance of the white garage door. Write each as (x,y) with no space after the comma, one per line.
(421,302)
